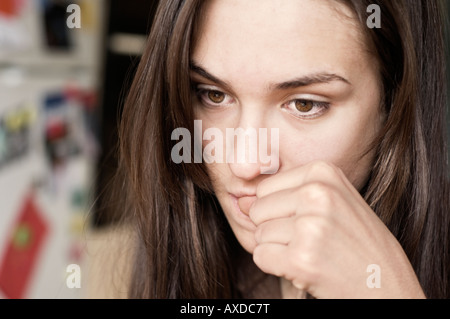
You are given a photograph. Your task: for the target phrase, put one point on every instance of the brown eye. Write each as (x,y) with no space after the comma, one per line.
(216,96)
(304,106)
(306,109)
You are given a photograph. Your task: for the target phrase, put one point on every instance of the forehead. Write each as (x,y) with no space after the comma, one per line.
(277,37)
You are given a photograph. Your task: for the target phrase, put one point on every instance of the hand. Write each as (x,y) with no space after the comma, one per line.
(315,230)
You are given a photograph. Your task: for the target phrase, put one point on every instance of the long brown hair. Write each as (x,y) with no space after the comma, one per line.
(185,248)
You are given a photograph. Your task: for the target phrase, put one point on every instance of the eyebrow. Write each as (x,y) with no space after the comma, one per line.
(202,72)
(316,78)
(310,79)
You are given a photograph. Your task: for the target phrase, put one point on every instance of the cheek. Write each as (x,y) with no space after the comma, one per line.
(339,141)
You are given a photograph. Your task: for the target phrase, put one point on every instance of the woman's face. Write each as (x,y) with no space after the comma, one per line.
(297,66)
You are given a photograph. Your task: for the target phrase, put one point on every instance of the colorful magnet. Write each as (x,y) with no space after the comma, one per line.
(23,250)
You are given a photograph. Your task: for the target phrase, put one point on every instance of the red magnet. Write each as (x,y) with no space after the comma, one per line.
(22,252)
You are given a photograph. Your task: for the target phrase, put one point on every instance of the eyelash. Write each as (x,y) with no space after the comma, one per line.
(202,93)
(322,107)
(319,108)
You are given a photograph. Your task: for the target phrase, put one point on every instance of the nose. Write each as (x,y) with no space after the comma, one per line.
(242,153)
(248,146)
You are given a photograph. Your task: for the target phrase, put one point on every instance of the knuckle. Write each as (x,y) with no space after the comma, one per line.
(319,229)
(318,194)
(323,169)
(298,258)
(313,231)
(301,227)
(305,264)
(317,190)
(302,257)
(305,255)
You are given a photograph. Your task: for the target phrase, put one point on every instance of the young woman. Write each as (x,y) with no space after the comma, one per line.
(358,205)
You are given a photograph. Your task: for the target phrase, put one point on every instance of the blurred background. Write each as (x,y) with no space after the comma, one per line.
(64,74)
(64,71)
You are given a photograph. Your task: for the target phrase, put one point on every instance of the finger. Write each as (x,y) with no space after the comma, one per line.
(311,172)
(276,231)
(277,205)
(269,258)
(315,198)
(274,259)
(316,172)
